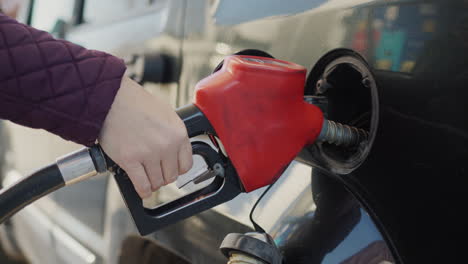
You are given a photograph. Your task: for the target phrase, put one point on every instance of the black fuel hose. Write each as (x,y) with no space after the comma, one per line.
(70,169)
(29,189)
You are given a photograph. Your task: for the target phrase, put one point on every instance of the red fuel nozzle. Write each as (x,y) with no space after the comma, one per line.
(256,107)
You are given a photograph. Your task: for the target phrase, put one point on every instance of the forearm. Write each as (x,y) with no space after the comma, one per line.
(54,84)
(68,90)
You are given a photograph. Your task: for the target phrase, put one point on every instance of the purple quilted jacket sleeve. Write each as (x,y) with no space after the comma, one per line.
(54,84)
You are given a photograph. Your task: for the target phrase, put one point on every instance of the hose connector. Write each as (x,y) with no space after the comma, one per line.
(76,166)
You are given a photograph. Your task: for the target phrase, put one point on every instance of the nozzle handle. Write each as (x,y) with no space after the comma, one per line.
(195,121)
(149,220)
(223,188)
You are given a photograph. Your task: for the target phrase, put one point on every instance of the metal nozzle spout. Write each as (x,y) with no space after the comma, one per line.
(341,135)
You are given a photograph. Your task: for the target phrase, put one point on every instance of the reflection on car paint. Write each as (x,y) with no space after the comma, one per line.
(321,222)
(397,33)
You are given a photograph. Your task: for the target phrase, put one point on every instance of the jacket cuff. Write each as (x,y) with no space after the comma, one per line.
(99,102)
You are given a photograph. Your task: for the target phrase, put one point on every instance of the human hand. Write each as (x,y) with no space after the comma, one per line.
(146,138)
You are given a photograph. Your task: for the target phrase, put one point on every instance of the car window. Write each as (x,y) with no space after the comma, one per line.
(96,11)
(49,14)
